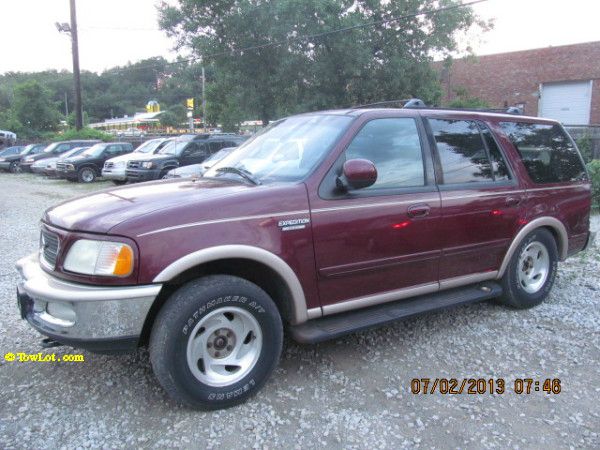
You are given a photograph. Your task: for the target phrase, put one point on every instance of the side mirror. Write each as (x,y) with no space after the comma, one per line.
(357,174)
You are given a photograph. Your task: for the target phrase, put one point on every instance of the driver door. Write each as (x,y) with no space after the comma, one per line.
(380,243)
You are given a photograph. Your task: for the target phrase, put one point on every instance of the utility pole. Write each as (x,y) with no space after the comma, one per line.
(72,30)
(203,99)
(66,107)
(76,74)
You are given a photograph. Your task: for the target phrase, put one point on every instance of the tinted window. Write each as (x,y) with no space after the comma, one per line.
(462,152)
(394,147)
(195,150)
(547,152)
(501,172)
(215,146)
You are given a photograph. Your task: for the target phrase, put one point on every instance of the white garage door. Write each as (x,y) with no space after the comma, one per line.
(567,102)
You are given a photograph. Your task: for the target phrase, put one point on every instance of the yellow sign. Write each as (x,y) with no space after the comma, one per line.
(190,103)
(152,106)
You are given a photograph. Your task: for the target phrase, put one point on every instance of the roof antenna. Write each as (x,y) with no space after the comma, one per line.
(514,110)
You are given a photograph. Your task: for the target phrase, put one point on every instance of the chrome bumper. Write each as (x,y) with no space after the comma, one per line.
(77,314)
(115,174)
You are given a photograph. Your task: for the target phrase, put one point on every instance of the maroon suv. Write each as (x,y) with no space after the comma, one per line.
(325,223)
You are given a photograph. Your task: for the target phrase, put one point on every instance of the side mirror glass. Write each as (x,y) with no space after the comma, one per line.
(357,174)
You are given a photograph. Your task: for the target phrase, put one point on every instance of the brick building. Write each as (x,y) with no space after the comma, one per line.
(561,83)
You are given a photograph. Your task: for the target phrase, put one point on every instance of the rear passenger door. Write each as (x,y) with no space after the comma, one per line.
(195,153)
(481,201)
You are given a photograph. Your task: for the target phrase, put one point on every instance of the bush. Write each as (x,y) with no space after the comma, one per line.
(594,170)
(585,147)
(84,133)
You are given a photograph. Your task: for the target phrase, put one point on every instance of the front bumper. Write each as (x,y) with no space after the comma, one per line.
(94,317)
(136,175)
(40,170)
(115,174)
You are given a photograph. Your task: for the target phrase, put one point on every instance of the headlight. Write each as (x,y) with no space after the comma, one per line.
(51,165)
(70,167)
(2,159)
(29,160)
(148,165)
(100,258)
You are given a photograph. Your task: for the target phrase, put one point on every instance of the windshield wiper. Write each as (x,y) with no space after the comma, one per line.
(241,172)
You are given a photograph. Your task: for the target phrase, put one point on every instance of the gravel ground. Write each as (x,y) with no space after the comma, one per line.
(349,393)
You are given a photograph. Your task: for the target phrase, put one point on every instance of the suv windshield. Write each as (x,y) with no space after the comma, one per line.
(149,146)
(28,148)
(286,150)
(173,148)
(51,147)
(94,150)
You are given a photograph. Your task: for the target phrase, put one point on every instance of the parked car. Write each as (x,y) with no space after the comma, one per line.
(379,215)
(182,151)
(131,132)
(8,153)
(53,150)
(114,169)
(11,162)
(48,166)
(197,170)
(87,166)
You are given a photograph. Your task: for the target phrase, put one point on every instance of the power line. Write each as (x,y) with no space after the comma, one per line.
(318,35)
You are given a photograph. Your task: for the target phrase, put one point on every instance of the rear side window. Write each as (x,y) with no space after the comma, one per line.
(499,166)
(394,147)
(462,152)
(547,152)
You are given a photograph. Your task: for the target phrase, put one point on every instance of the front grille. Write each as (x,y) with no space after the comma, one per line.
(49,248)
(60,166)
(133,164)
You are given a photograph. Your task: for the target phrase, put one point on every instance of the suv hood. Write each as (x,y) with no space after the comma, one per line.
(129,157)
(99,212)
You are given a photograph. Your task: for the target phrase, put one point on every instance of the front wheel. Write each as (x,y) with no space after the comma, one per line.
(215,342)
(14,167)
(86,175)
(531,272)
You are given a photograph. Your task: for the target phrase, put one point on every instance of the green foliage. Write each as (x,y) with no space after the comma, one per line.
(464,100)
(367,64)
(584,144)
(71,119)
(84,133)
(593,168)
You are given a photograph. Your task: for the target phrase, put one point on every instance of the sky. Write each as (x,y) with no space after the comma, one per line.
(115,32)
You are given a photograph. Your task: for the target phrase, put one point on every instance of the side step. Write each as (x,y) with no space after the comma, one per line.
(331,327)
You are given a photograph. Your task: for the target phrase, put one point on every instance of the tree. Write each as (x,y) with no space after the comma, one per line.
(464,100)
(281,74)
(34,109)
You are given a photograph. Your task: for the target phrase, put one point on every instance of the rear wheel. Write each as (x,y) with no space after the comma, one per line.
(215,342)
(86,175)
(531,272)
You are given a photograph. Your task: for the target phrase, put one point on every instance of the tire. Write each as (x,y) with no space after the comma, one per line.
(531,272)
(14,167)
(163,175)
(86,175)
(225,316)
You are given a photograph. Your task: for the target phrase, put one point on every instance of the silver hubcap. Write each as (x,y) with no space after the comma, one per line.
(534,266)
(224,346)
(87,175)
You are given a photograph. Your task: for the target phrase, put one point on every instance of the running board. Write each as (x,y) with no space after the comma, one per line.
(331,327)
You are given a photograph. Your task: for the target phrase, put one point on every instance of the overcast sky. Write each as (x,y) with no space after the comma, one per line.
(113,32)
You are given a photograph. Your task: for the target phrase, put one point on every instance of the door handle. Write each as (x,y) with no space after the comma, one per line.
(513,201)
(420,210)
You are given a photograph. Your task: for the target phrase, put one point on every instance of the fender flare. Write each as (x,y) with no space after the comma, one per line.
(298,301)
(550,222)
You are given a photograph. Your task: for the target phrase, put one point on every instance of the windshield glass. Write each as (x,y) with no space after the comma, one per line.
(94,150)
(51,147)
(148,146)
(173,148)
(286,150)
(28,148)
(76,151)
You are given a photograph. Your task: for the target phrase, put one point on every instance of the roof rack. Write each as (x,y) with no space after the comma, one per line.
(416,103)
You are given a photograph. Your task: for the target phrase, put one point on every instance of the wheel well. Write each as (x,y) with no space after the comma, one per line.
(261,275)
(557,238)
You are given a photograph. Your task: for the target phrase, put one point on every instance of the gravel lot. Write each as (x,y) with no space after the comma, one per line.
(348,393)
